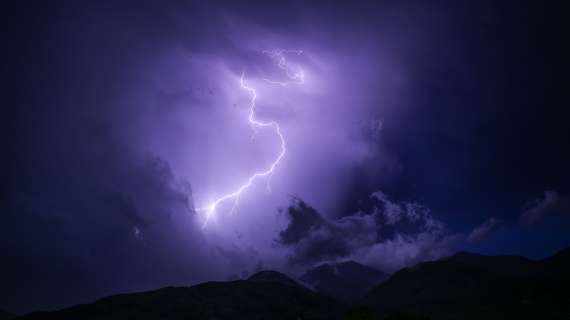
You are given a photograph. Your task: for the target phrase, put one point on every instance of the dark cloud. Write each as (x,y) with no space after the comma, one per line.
(303,219)
(316,239)
(483,230)
(390,236)
(115,233)
(552,204)
(88,210)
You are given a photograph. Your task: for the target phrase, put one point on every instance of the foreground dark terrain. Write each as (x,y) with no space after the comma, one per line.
(470,286)
(243,299)
(5,315)
(463,286)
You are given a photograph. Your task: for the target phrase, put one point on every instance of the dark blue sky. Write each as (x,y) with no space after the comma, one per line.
(489,131)
(477,133)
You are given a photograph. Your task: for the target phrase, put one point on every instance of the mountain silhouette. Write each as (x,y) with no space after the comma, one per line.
(273,276)
(346,281)
(5,315)
(462,286)
(257,298)
(471,286)
(557,267)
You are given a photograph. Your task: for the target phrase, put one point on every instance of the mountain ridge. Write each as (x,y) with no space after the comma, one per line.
(273,276)
(472,286)
(461,286)
(5,315)
(240,299)
(346,281)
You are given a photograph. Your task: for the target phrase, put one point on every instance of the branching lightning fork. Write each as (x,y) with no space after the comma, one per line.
(278,56)
(295,75)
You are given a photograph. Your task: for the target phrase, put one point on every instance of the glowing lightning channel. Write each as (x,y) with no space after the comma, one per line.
(297,76)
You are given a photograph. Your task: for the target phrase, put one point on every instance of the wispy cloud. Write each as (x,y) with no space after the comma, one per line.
(552,204)
(483,230)
(392,235)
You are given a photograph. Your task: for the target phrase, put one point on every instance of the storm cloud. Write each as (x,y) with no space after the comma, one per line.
(125,120)
(390,236)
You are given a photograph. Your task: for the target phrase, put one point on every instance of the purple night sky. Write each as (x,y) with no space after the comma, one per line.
(418,130)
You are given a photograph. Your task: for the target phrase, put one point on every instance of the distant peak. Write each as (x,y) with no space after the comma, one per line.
(345,281)
(273,276)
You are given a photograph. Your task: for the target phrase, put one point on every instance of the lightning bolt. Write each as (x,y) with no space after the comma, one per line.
(295,75)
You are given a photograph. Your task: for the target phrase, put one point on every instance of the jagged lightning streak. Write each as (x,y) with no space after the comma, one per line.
(296,76)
